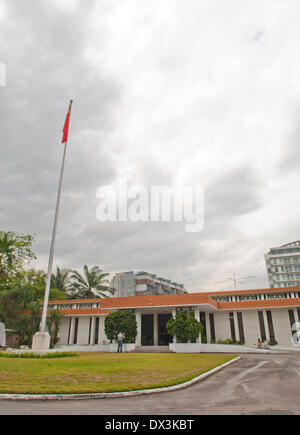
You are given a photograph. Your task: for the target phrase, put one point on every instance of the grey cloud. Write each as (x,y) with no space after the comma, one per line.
(45,51)
(236,192)
(289,161)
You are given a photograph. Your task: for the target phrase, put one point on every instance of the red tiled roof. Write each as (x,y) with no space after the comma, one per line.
(183,299)
(159,300)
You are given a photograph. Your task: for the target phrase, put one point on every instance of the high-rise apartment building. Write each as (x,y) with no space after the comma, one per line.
(283,265)
(144,283)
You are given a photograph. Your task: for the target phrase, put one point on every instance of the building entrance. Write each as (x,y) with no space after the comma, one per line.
(163,337)
(147,329)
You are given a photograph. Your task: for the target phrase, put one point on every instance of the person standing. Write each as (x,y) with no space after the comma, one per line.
(121,337)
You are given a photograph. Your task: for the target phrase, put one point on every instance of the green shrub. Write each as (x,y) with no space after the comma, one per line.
(184,327)
(273,342)
(121,321)
(228,341)
(38,355)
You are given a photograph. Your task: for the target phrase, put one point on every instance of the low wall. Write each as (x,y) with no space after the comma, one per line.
(212,348)
(111,347)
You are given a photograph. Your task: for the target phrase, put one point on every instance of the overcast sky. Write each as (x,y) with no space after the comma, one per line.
(196,92)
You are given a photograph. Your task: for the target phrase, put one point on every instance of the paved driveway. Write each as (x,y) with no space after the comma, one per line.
(257,384)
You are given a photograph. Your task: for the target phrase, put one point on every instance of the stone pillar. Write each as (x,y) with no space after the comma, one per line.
(155,327)
(138,340)
(41,342)
(2,335)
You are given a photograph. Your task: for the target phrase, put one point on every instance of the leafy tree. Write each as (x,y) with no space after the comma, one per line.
(61,279)
(33,322)
(184,327)
(15,249)
(93,283)
(54,294)
(121,321)
(11,307)
(53,322)
(34,282)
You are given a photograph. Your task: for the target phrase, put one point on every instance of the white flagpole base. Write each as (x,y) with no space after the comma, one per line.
(41,341)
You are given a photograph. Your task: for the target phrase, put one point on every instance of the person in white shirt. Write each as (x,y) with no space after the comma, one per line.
(120,337)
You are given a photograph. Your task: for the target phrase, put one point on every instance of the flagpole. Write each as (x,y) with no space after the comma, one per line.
(51,255)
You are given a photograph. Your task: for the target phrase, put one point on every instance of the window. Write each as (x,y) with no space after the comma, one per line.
(90,330)
(232,327)
(203,322)
(292,321)
(270,325)
(262,325)
(69,330)
(97,330)
(241,327)
(76,330)
(212,327)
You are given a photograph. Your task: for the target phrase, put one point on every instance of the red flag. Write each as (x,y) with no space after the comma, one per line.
(66,126)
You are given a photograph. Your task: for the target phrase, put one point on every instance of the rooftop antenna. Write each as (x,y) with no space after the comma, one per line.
(236,280)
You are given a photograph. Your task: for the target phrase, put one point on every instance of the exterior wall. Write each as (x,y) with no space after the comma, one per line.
(222,325)
(282,327)
(251,327)
(141,287)
(141,283)
(124,283)
(83,330)
(280,317)
(64,331)
(211,348)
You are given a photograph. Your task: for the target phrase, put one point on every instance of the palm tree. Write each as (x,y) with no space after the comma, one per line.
(93,283)
(61,279)
(33,321)
(53,323)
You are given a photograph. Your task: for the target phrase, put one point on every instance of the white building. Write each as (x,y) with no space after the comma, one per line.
(143,283)
(283,265)
(242,316)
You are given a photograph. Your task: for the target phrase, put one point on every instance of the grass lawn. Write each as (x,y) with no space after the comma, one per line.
(103,372)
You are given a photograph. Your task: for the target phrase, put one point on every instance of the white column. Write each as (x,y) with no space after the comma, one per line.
(197,317)
(155,331)
(236,326)
(208,331)
(92,339)
(138,340)
(174,315)
(72,330)
(102,335)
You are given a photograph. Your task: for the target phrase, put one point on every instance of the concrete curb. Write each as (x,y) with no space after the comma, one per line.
(89,396)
